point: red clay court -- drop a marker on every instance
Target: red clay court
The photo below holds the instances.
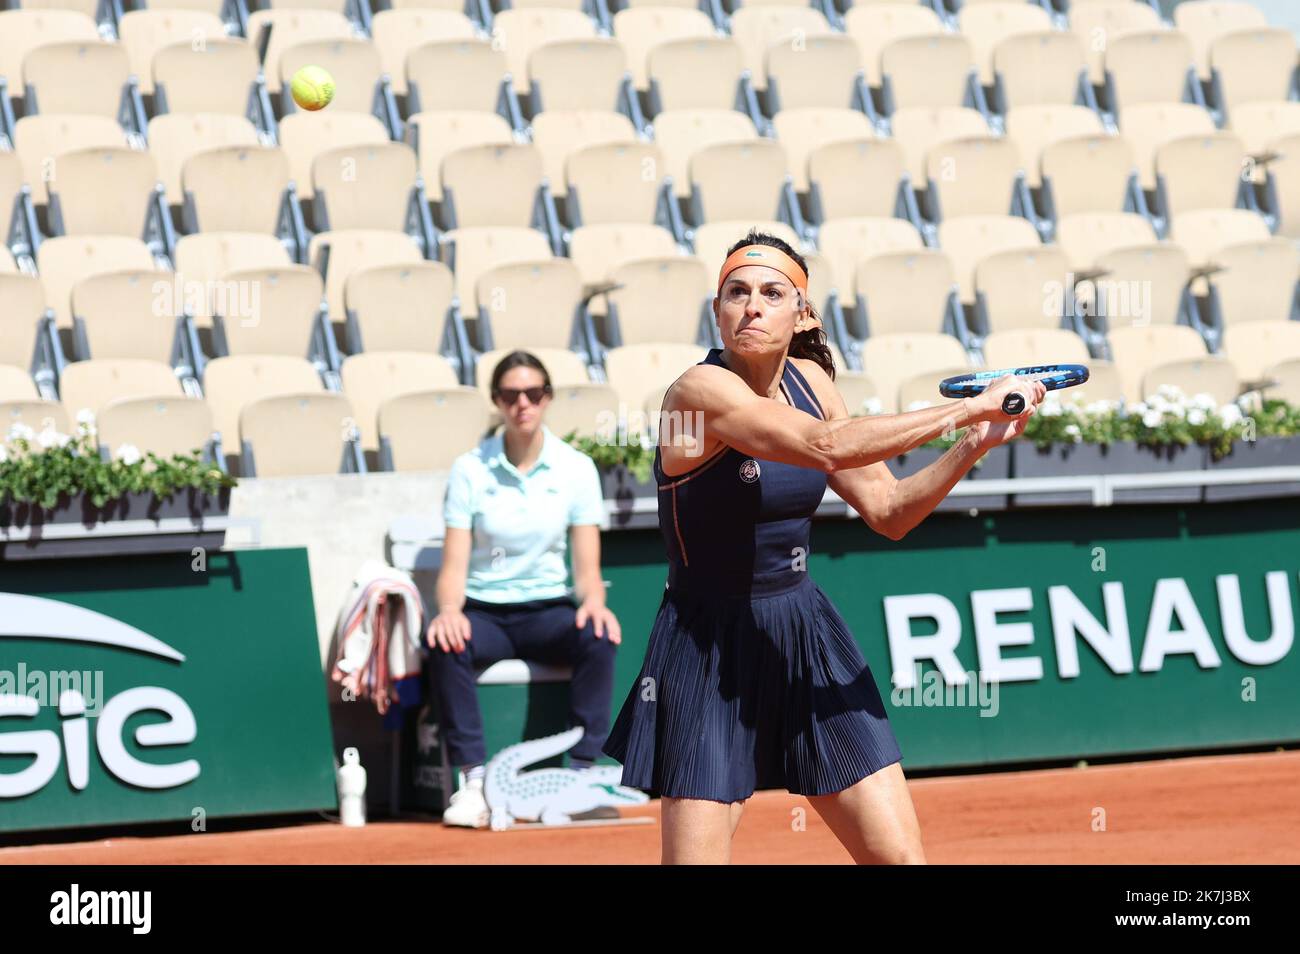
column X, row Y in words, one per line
column 1229, row 809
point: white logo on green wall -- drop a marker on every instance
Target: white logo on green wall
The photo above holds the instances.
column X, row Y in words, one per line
column 31, row 617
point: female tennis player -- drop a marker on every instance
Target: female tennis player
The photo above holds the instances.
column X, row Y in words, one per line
column 751, row 678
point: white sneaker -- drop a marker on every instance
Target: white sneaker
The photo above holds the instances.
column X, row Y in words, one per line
column 468, row 807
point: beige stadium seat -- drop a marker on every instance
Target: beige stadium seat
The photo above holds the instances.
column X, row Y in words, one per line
column 875, row 26
column 363, row 186
column 528, row 304
column 969, row 238
column 980, row 175
column 398, row 32
column 922, row 390
column 564, row 366
column 892, row 359
column 102, row 191
column 289, row 28
column 1033, row 128
column 455, row 74
column 1086, row 236
column 680, row 133
column 216, row 78
column 1203, row 232
column 561, row 134
column 40, row 140
column 295, row 435
column 845, row 242
column 804, row 130
column 16, row 384
column 1096, row 24
column 351, row 249
column 1252, row 66
column 585, row 74
column 12, row 179
column 232, row 382
column 587, row 410
column 36, row 414
column 694, row 73
column 7, row 263
column 234, row 189
column 203, row 259
column 989, row 24
column 1258, row 281
column 1201, row 172
column 1255, row 347
column 714, row 238
column 1143, row 284
column 738, row 180
column 1015, row 288
column 64, row 261
column 471, row 252
column 1154, row 66
column 24, row 30
column 1021, row 347
column 125, row 314
column 354, row 64
column 820, row 71
column 852, row 177
column 638, row 371
column 641, row 29
column 599, row 249
column 175, row 137
column 78, row 77
column 22, row 311
column 1284, row 381
column 90, row 385
column 857, row 390
column 613, row 182
column 372, row 378
column 1104, row 384
column 933, row 70
column 1039, row 68
column 437, row 134
column 281, row 319
column 1095, row 173
column 661, row 299
column 918, row 130
column 1213, row 375
column 144, row 32
column 491, row 185
column 164, row 425
column 459, row 416
column 398, row 307
column 1259, row 125
column 1284, row 184
column 1206, row 21
column 759, row 29
column 305, row 135
column 520, row 32
column 1137, row 349
column 904, row 292
column 821, row 278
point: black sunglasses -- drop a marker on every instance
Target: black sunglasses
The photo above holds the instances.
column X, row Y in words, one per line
column 511, row 395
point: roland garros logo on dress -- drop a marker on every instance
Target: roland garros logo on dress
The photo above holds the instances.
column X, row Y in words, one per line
column 749, row 471
column 31, row 617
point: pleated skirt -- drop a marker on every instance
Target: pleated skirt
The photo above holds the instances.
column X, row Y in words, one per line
column 757, row 691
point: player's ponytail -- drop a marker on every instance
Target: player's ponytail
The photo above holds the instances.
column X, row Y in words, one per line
column 809, row 344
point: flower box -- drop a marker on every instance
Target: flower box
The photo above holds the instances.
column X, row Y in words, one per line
column 995, row 465
column 618, row 483
column 189, row 503
column 1121, row 457
column 1264, row 452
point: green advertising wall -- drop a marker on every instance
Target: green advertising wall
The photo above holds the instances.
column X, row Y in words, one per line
column 1161, row 559
column 250, row 677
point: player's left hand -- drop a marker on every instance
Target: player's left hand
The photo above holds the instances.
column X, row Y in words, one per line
column 603, row 620
column 989, row 434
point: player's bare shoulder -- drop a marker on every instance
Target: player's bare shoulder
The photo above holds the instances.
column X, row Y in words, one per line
column 700, row 387
column 827, row 394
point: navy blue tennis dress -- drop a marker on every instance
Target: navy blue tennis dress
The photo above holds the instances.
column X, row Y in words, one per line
column 751, row 678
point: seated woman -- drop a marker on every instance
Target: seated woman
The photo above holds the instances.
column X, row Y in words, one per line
column 502, row 590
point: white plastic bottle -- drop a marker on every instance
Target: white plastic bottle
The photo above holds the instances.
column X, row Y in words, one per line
column 352, row 790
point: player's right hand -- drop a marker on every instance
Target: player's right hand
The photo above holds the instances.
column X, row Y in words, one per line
column 990, row 401
column 449, row 631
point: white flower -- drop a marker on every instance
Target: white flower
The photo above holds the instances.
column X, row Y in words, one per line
column 1100, row 408
column 1051, row 409
column 1171, row 393
column 1196, row 417
column 1205, row 402
column 1229, row 414
column 51, row 438
column 1152, row 418
column 1073, row 432
column 128, row 454
column 21, row 432
column 873, row 405
column 1176, row 410
column 86, row 420
column 4, row 454
column 918, row 405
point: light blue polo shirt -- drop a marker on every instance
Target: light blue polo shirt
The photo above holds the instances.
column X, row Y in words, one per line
column 520, row 522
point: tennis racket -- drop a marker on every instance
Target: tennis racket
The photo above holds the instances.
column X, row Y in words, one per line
column 1053, row 377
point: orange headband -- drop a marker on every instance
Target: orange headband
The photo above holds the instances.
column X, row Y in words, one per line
column 765, row 255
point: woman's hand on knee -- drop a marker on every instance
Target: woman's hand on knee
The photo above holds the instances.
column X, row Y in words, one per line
column 449, row 631
column 603, row 621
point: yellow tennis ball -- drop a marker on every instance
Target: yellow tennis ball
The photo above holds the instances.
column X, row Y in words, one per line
column 312, row 88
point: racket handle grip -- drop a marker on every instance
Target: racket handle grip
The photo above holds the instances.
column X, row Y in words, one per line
column 1013, row 404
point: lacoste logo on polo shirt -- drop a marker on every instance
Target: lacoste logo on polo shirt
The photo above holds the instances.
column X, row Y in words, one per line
column 749, row 471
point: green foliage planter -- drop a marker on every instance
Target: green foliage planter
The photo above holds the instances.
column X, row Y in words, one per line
column 190, row 503
column 625, row 467
column 1264, row 452
column 994, row 465
column 1121, row 457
